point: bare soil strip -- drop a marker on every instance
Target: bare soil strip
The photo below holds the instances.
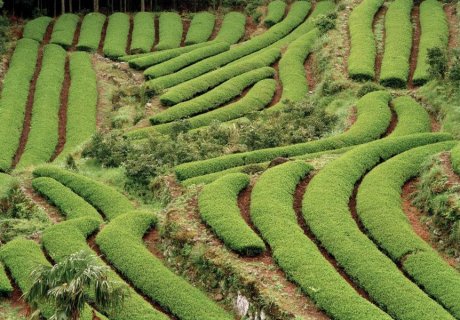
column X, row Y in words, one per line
column 217, row 27
column 393, row 122
column 156, row 25
column 186, row 26
column 30, row 99
column 16, row 299
column 380, row 46
column 310, row 71
column 76, row 36
column 452, row 19
column 100, row 49
column 130, row 34
column 53, row 213
column 415, row 44
column 279, row 86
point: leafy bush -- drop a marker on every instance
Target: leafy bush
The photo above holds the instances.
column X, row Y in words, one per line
column 36, row 29
column 219, row 209
column 398, row 44
column 201, row 28
column 148, row 274
column 435, row 34
column 276, row 10
column 379, row 208
column 361, row 61
column 454, row 69
column 91, row 31
column 213, row 98
column 82, row 103
column 143, row 33
column 171, row 30
column 64, row 30
column 412, row 117
column 45, row 111
column 15, row 94
column 116, row 38
column 327, row 213
column 368, row 87
column 437, row 63
column 298, row 256
column 233, row 28
column 185, row 59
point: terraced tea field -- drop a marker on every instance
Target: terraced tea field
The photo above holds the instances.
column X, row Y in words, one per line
column 187, row 152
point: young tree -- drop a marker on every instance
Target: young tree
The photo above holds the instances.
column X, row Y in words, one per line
column 437, row 61
column 69, row 284
column 454, row 70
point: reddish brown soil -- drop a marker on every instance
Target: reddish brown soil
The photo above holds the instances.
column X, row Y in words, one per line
column 393, row 122
column 414, row 215
column 186, row 26
column 451, row 14
column 100, row 49
column 53, row 212
column 379, row 56
column 351, row 118
column 279, row 87
column 453, row 178
column 151, row 238
column 435, row 124
column 62, row 128
column 415, row 44
column 16, row 299
column 352, row 206
column 157, row 31
column 217, row 27
column 251, row 27
column 310, row 71
column 30, row 99
column 130, row 34
column 298, row 197
column 76, row 36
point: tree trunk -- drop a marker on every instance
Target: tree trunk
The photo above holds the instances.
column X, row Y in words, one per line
column 79, row 5
column 70, row 6
column 55, row 7
column 96, row 5
column 151, row 5
column 62, row 6
column 142, row 5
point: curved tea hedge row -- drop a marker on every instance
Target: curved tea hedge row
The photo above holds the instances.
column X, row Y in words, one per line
column 361, row 61
column 218, row 205
column 45, row 111
column 68, row 202
column 91, row 31
column 412, row 117
column 201, row 28
column 273, row 214
column 36, row 29
column 256, row 99
column 116, row 38
column 213, row 98
column 297, row 14
column 379, row 208
column 14, row 98
column 104, row 198
column 435, row 34
column 5, row 286
column 171, row 30
column 185, row 59
column 68, row 237
column 292, row 70
column 276, row 10
column 398, row 44
column 21, row 257
column 81, row 104
column 326, row 211
column 374, row 116
column 233, row 28
column 143, row 33
column 7, row 183
column 64, row 30
column 148, row 273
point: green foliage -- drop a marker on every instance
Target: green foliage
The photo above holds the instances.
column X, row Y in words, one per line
column 66, row 238
column 201, row 28
column 82, row 103
column 36, row 29
column 7, row 183
column 379, row 208
column 69, row 203
column 171, row 30
column 361, row 61
column 213, row 98
column 435, row 34
column 233, row 28
column 91, row 31
column 148, row 274
column 325, row 23
column 5, row 286
column 45, row 111
column 398, row 44
column 189, row 89
column 298, row 256
column 437, row 63
column 327, row 213
column 116, row 39
column 276, row 10
column 104, row 198
column 454, row 69
column 373, row 119
column 14, row 98
column 368, row 87
column 143, row 33
column 64, row 30
column 185, row 59
column 412, row 117
column 296, row 16
column 219, row 209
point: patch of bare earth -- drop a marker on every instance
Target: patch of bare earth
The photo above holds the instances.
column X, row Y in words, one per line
column 186, row 26
column 100, row 49
column 393, row 122
column 351, row 118
column 378, row 18
column 279, row 88
column 451, row 14
column 53, row 213
column 16, row 300
column 415, row 44
column 309, row 66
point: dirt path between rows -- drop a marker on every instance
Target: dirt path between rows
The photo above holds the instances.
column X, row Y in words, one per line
column 217, row 27
column 16, row 299
column 309, row 66
column 30, row 99
column 452, row 19
column 52, row 212
column 379, row 43
column 156, row 25
column 279, row 87
column 130, row 35
column 416, row 31
column 186, row 26
column 100, row 49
